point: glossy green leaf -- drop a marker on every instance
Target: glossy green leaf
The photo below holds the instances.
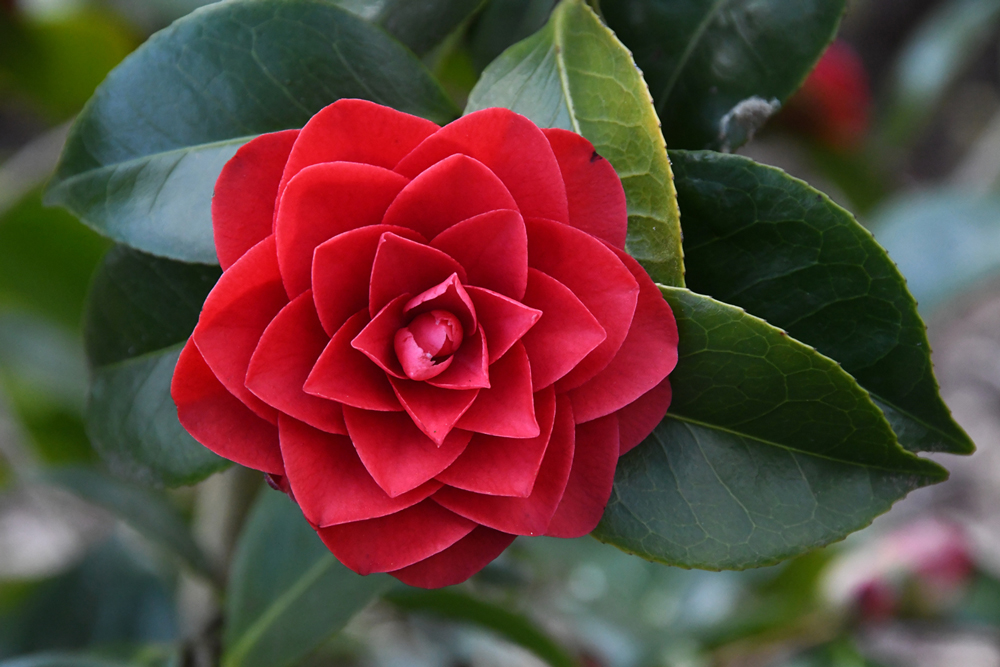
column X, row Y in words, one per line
column 456, row 606
column 148, row 513
column 767, row 242
column 140, row 312
column 574, row 74
column 769, row 450
column 503, row 23
column 419, row 25
column 287, row 593
column 714, row 67
column 142, row 159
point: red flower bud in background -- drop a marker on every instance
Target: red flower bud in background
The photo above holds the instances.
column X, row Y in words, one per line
column 431, row 338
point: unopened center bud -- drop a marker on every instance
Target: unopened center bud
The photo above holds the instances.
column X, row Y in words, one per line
column 429, row 339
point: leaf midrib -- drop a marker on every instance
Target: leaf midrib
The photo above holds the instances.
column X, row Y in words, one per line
column 688, row 51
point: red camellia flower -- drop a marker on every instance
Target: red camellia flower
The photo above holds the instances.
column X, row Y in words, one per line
column 430, row 337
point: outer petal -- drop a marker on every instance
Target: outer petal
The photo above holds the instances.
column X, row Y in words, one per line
column 347, row 376
column 396, row 454
column 507, row 408
column 329, row 481
column 356, row 131
column 234, row 317
column 596, row 198
column 523, row 516
column 325, row 200
column 342, row 270
column 493, row 249
column 285, row 356
column 219, row 420
column 601, row 281
column 590, row 480
column 458, row 562
column 433, row 410
column 638, row 419
column 647, row 356
column 504, row 320
column 512, row 147
column 403, row 266
column 396, row 540
column 456, row 188
column 246, row 195
column 504, row 466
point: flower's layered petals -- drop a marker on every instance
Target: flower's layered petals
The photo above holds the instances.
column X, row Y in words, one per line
column 647, row 355
column 456, row 188
column 285, row 356
column 590, row 480
column 342, row 269
column 493, row 249
column 329, row 481
column 377, row 340
column 565, row 333
column 397, row 455
column 469, row 368
column 638, row 419
column 435, row 411
column 325, row 200
column 504, row 320
column 503, row 466
column 403, row 266
column 347, row 376
column 595, row 193
column 356, row 131
column 394, row 541
column 507, row 408
column 246, row 193
column 531, row 515
column 220, row 421
column 235, row 315
column 458, row 562
column 449, row 296
column 512, row 147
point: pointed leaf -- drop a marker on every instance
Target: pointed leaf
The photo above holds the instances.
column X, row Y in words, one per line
column 419, row 25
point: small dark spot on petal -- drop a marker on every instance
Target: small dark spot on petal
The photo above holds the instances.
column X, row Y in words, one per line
column 595, row 157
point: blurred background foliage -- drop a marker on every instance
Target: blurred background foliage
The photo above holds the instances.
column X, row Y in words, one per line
column 900, row 122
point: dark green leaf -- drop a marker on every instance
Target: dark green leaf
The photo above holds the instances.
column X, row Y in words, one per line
column 503, row 23
column 148, row 513
column 769, row 450
column 419, row 25
column 142, row 159
column 457, row 606
column 715, row 67
column 287, row 593
column 767, row 242
column 61, row 660
column 140, row 312
column 575, row 75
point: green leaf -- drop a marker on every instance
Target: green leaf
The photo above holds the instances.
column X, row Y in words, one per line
column 457, row 606
column 716, row 67
column 148, row 513
column 61, row 660
column 574, row 74
column 142, row 159
column 140, row 312
column 419, row 25
column 769, row 450
column 287, row 593
column 760, row 239
column 503, row 23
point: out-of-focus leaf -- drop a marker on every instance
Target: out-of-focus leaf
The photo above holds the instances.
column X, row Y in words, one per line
column 287, row 593
column 575, row 75
column 769, row 450
column 457, row 606
column 943, row 242
column 840, row 653
column 503, row 23
column 62, row 660
column 760, row 239
column 140, row 312
column 419, row 25
column 142, row 159
column 947, row 41
column 718, row 69
column 148, row 513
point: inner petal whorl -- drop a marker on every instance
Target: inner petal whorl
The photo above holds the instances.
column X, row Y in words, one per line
column 425, row 346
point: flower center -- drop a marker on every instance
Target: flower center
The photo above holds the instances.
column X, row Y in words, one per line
column 424, row 347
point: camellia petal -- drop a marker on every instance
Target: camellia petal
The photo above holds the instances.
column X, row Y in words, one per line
column 403, row 266
column 394, row 541
column 504, row 320
column 507, row 408
column 469, row 368
column 219, row 420
column 243, row 203
column 512, row 147
column 493, row 249
column 595, row 194
column 397, row 455
column 325, row 200
column 450, row 296
column 377, row 340
column 329, row 481
column 458, row 562
column 433, row 410
column 285, row 356
column 638, row 419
